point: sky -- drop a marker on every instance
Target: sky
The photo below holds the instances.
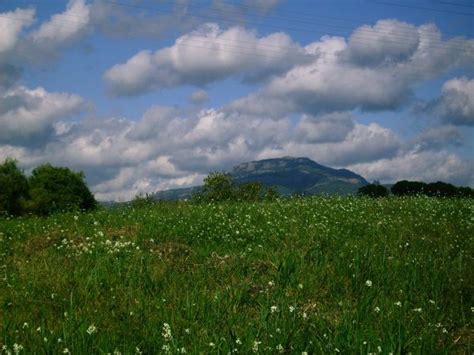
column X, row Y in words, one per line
column 146, row 95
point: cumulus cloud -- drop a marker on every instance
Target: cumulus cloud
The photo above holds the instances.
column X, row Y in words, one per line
column 456, row 103
column 387, row 42
column 377, row 69
column 11, row 25
column 438, row 138
column 26, row 114
column 203, row 56
column 426, row 166
column 169, row 147
column 333, row 127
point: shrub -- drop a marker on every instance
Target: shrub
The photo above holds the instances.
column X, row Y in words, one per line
column 13, row 188
column 373, row 190
column 54, row 189
column 408, row 188
column 441, row 189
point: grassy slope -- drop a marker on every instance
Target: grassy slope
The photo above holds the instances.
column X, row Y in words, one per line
column 213, row 273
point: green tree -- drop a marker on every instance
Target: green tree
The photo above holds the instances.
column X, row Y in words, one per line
column 54, row 189
column 441, row 189
column 250, row 191
column 373, row 190
column 143, row 200
column 408, row 188
column 13, row 188
column 217, row 187
column 271, row 194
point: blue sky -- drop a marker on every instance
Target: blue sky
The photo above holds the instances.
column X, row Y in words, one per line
column 145, row 95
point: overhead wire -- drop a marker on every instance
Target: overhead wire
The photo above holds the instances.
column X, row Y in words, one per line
column 368, row 34
column 232, row 43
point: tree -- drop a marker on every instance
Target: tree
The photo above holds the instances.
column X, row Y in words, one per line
column 465, row 191
column 441, row 189
column 373, row 190
column 217, row 187
column 13, row 188
column 250, row 191
column 54, row 189
column 408, row 188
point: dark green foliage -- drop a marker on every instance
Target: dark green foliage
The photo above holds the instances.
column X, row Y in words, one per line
column 373, row 190
column 434, row 189
column 250, row 191
column 408, row 188
column 143, row 200
column 271, row 194
column 54, row 189
column 441, row 189
column 220, row 187
column 465, row 192
column 13, row 188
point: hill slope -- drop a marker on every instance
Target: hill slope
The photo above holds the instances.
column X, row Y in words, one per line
column 289, row 176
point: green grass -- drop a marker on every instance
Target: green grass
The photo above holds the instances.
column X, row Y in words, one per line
column 317, row 275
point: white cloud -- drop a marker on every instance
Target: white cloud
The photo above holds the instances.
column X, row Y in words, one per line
column 370, row 73
column 436, row 138
column 387, row 42
column 333, row 127
column 456, row 104
column 428, row 166
column 26, row 114
column 64, row 27
column 203, row 56
column 11, row 25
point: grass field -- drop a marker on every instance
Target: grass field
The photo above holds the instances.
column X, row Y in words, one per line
column 316, row 275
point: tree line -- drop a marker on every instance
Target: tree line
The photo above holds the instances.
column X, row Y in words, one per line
column 47, row 190
column 417, row 188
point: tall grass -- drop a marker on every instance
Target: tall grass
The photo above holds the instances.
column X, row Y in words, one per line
column 315, row 275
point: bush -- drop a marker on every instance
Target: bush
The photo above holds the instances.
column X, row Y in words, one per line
column 441, row 189
column 220, row 187
column 373, row 190
column 465, row 192
column 217, row 187
column 408, row 188
column 143, row 201
column 13, row 188
column 54, row 189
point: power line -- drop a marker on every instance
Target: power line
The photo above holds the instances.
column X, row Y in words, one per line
column 368, row 38
column 368, row 35
column 417, row 7
column 456, row 4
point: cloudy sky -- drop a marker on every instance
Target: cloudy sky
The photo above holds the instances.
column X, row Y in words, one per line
column 144, row 95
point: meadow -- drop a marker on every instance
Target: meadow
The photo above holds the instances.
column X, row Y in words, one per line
column 321, row 275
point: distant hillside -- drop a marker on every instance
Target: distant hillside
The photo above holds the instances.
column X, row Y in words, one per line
column 288, row 175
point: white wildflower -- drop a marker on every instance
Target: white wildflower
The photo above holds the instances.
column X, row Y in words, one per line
column 166, row 333
column 273, row 309
column 92, row 329
column 17, row 348
column 368, row 283
column 256, row 343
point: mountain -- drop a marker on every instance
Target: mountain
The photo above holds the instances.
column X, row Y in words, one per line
column 288, row 175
